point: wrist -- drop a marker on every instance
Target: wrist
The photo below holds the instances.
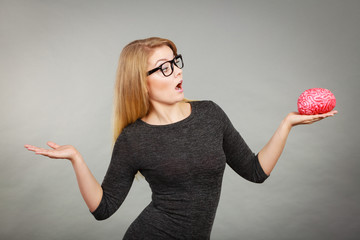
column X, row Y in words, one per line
column 287, row 123
column 76, row 158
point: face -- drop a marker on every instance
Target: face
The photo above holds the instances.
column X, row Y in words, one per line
column 164, row 90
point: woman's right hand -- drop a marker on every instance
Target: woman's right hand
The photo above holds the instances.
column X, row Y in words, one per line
column 57, row 151
column 90, row 189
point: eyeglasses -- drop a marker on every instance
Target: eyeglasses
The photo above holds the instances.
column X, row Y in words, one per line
column 167, row 68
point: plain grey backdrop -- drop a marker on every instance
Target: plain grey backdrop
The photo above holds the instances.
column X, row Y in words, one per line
column 253, row 58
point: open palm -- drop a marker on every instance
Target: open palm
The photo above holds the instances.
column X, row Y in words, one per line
column 56, row 151
column 295, row 118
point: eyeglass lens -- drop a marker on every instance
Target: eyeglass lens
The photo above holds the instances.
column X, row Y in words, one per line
column 167, row 68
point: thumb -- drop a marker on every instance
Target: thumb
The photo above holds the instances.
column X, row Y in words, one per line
column 52, row 145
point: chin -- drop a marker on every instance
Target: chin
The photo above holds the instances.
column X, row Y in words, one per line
column 181, row 98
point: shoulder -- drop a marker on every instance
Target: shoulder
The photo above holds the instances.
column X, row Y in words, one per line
column 208, row 107
column 130, row 131
column 128, row 135
column 205, row 105
column 126, row 142
column 208, row 112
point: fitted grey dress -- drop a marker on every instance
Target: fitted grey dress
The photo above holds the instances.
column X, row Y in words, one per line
column 184, row 164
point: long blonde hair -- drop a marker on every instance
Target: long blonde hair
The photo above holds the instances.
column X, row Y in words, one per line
column 131, row 99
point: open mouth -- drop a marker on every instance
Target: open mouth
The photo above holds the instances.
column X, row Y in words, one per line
column 179, row 86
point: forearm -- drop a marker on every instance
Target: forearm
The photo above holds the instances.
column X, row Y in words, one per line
column 90, row 189
column 269, row 155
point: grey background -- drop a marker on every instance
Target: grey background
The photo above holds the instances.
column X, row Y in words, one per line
column 254, row 58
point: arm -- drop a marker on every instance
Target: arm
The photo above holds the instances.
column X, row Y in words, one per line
column 238, row 154
column 269, row 155
column 90, row 189
column 103, row 200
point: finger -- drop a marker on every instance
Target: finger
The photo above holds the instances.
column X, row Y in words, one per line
column 44, row 154
column 28, row 146
column 325, row 115
column 31, row 148
column 312, row 119
column 47, row 153
column 36, row 149
column 316, row 119
column 41, row 151
column 329, row 114
column 332, row 113
column 52, row 145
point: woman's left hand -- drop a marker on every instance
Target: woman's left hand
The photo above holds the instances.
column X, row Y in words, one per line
column 295, row 118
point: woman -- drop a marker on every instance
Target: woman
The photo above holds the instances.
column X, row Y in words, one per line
column 181, row 147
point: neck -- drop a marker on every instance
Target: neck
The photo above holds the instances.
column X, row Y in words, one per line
column 162, row 114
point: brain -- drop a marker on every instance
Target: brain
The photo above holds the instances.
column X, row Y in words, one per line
column 316, row 101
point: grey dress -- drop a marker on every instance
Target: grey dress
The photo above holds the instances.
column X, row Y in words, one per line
column 184, row 164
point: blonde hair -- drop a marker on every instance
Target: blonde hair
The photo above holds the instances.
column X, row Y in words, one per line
column 131, row 99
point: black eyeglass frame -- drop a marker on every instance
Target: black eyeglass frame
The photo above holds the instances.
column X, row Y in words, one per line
column 172, row 63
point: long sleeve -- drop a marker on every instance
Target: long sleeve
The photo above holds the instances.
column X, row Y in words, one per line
column 238, row 154
column 118, row 179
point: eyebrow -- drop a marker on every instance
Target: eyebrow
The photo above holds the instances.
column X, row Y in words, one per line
column 164, row 59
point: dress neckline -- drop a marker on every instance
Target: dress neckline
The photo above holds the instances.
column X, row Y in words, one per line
column 182, row 121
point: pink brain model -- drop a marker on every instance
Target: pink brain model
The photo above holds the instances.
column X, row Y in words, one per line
column 316, row 101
